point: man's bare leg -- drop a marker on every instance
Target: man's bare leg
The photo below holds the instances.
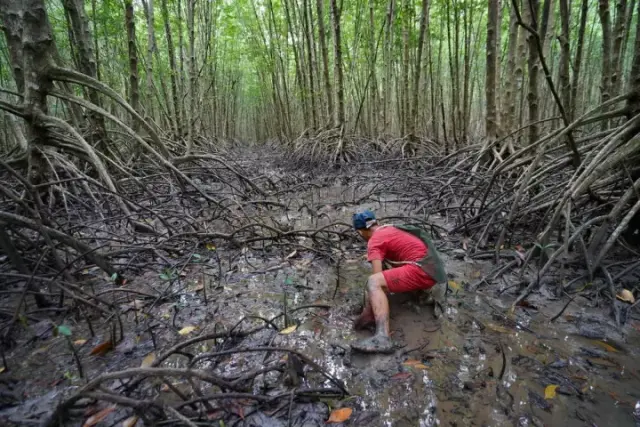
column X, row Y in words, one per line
column 380, row 342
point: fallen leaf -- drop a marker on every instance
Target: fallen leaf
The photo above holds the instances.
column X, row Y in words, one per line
column 411, row 362
column 148, row 360
column 401, row 376
column 609, row 348
column 79, row 342
column 237, row 409
column 187, row 330
column 292, row 254
column 550, row 391
column 2, row 369
column 476, row 274
column 497, row 328
column 102, row 348
column 211, row 246
column 526, row 304
column 288, row 330
column 64, row 330
column 602, row 362
column 99, row 416
column 339, row 415
column 130, row 422
column 453, row 285
column 216, row 415
column 420, row 366
column 626, row 296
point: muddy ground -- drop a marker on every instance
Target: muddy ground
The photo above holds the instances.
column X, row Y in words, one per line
column 478, row 365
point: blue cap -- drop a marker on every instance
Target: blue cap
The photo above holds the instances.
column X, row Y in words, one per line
column 363, row 219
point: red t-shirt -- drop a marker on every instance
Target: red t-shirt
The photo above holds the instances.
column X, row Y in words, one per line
column 392, row 244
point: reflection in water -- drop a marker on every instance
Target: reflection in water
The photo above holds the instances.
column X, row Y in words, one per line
column 429, row 417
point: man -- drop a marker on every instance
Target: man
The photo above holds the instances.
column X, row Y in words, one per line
column 404, row 251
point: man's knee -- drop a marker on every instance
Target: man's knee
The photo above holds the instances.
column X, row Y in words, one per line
column 375, row 282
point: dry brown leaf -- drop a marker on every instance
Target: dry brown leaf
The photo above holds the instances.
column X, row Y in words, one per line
column 102, row 348
column 497, row 328
column 130, row 422
column 602, row 362
column 609, row 348
column 98, row 416
column 340, row 415
column 148, row 360
column 187, row 330
column 626, row 296
column 288, row 330
column 411, row 362
column 401, row 376
column 550, row 391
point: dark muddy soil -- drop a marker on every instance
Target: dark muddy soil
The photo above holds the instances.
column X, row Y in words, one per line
column 478, row 365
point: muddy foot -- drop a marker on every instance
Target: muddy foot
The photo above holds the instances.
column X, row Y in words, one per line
column 375, row 344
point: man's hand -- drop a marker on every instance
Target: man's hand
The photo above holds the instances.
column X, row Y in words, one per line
column 377, row 266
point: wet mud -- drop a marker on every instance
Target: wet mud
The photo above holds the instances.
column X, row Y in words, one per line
column 478, row 365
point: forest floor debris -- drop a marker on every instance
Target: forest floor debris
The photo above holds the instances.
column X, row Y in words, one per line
column 247, row 319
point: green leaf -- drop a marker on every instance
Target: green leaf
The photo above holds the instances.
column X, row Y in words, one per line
column 164, row 276
column 288, row 281
column 114, row 277
column 64, row 330
column 197, row 256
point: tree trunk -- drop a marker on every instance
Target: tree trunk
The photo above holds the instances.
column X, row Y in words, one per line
column 191, row 114
column 86, row 64
column 13, row 33
column 616, row 57
column 627, row 32
column 633, row 103
column 151, row 48
column 418, row 66
column 373, row 101
column 308, row 35
column 325, row 60
column 563, row 71
column 509, row 108
column 388, row 65
column 533, row 67
column 491, row 127
column 577, row 64
column 172, row 65
column 335, row 14
column 31, row 42
column 404, row 91
column 605, row 82
column 134, row 92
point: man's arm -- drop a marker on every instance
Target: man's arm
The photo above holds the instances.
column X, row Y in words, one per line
column 377, row 266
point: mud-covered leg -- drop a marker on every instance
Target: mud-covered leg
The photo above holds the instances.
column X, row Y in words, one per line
column 380, row 342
